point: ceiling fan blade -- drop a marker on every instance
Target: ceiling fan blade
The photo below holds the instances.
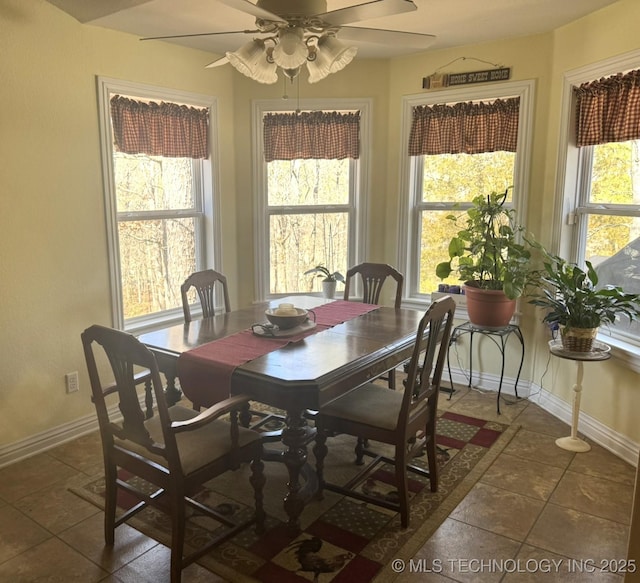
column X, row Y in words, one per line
column 251, row 8
column 202, row 34
column 89, row 10
column 217, row 63
column 385, row 37
column 367, row 11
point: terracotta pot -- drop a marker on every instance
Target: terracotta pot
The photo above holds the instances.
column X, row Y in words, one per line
column 488, row 308
column 577, row 339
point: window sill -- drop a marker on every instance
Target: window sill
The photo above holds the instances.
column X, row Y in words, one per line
column 422, row 303
column 628, row 354
column 144, row 324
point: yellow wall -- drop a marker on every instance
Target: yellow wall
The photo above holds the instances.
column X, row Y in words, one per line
column 53, row 253
column 610, row 392
column 54, row 276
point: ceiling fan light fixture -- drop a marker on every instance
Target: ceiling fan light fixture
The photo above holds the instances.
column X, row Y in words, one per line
column 291, row 74
column 295, row 33
column 291, row 51
column 319, row 67
column 337, row 53
column 266, row 73
column 251, row 60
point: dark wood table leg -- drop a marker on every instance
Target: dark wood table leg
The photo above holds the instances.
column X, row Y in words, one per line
column 295, row 437
column 172, row 393
column 167, row 366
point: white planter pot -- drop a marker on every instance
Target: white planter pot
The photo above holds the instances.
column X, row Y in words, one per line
column 329, row 289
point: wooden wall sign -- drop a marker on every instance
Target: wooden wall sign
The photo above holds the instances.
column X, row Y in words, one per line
column 438, row 80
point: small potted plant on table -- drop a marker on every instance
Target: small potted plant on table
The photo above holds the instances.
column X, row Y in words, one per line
column 329, row 280
column 490, row 259
column 576, row 304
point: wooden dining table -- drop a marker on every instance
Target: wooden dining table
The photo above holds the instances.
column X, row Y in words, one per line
column 302, row 375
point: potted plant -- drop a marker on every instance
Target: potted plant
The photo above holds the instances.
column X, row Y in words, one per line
column 329, row 279
column 489, row 257
column 576, row 304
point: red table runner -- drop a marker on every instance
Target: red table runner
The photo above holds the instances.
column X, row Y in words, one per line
column 205, row 372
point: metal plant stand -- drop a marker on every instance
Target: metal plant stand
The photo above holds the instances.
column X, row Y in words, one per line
column 499, row 336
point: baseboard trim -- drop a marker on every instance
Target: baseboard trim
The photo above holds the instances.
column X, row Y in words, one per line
column 41, row 442
column 487, row 382
column 615, row 442
column 595, row 430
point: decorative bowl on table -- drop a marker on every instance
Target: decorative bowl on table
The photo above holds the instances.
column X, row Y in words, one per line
column 286, row 317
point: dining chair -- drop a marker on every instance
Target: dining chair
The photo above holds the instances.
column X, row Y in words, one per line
column 174, row 449
column 204, row 282
column 373, row 277
column 403, row 419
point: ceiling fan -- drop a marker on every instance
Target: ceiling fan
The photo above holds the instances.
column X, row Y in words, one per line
column 292, row 33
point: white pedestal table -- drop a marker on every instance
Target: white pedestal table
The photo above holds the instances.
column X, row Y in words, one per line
column 600, row 351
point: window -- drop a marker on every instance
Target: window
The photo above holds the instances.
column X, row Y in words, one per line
column 310, row 208
column 607, row 219
column 601, row 192
column 445, row 184
column 158, row 206
column 437, row 185
column 159, row 216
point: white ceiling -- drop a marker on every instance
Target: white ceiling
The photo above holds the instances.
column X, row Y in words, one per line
column 454, row 22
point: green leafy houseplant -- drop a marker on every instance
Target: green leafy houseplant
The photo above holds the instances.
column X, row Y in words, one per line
column 323, row 272
column 571, row 296
column 486, row 253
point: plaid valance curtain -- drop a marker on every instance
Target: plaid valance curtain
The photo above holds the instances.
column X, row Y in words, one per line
column 465, row 128
column 608, row 110
column 327, row 135
column 160, row 129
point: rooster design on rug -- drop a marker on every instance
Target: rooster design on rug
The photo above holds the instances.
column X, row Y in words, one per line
column 306, row 551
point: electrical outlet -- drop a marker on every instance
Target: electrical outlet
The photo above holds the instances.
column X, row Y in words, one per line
column 71, row 379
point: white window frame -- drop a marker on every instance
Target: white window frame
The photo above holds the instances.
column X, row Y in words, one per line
column 572, row 162
column 208, row 243
column 410, row 171
column 358, row 183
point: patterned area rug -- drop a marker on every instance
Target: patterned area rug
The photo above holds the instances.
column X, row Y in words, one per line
column 342, row 539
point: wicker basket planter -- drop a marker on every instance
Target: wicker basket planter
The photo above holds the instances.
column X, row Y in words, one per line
column 573, row 299
column 578, row 339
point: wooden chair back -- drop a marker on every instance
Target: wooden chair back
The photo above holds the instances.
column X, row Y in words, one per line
column 132, row 364
column 204, row 282
column 424, row 372
column 373, row 276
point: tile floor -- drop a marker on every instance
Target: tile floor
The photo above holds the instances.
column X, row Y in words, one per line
column 541, row 513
